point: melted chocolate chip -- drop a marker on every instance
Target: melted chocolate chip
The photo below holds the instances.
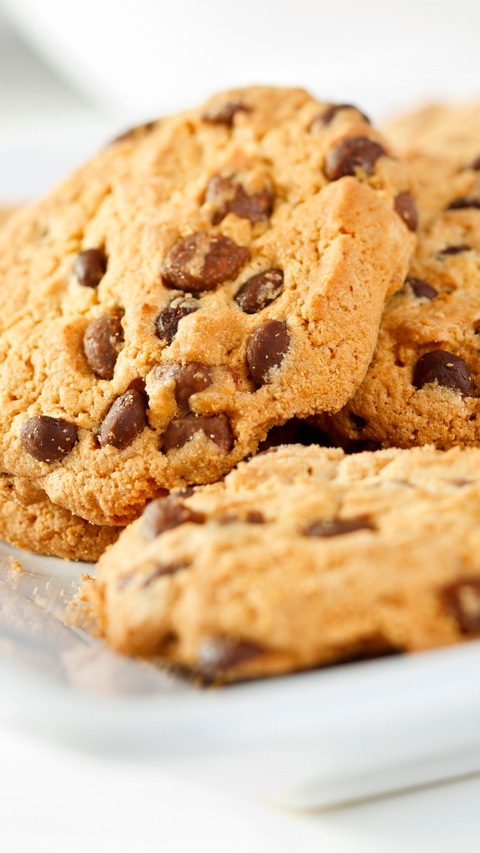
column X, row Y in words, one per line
column 421, row 289
column 231, row 197
column 351, row 154
column 168, row 320
column 326, row 527
column 331, row 111
column 216, row 654
column 462, row 600
column 464, row 203
column 163, row 569
column 454, row 250
column 406, row 207
column 444, row 368
column 90, row 267
column 189, row 379
column 266, row 349
column 48, row 439
column 225, row 113
column 202, row 261
column 166, row 513
column 216, row 427
column 125, row 419
column 259, row 291
column 101, row 344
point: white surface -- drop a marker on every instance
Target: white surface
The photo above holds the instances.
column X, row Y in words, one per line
column 107, row 794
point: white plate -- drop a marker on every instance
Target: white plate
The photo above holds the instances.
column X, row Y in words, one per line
column 314, row 739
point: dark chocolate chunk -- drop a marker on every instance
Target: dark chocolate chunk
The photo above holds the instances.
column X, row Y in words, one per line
column 231, row 197
column 462, row 600
column 464, row 203
column 166, row 513
column 225, row 113
column 48, row 439
column 266, row 349
column 202, row 261
column 101, row 344
column 216, row 427
column 454, row 250
column 125, row 419
column 167, row 321
column 326, row 527
column 331, row 111
column 191, row 378
column 351, row 154
column 90, row 267
column 406, row 207
column 217, row 654
column 259, row 291
column 444, row 368
column 422, row 289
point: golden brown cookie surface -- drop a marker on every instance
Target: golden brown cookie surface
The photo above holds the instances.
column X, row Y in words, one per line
column 204, row 278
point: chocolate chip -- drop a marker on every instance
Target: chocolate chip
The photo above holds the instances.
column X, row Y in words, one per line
column 216, row 427
column 464, row 203
column 163, row 569
column 225, row 113
column 90, row 267
column 231, row 197
column 406, row 207
column 216, row 654
column 331, row 111
column 454, row 250
column 326, row 527
column 101, row 344
column 166, row 513
column 202, row 261
column 259, row 291
column 444, row 368
column 266, row 349
column 168, row 320
column 124, row 420
column 462, row 600
column 191, row 378
column 48, row 439
column 421, row 289
column 351, row 154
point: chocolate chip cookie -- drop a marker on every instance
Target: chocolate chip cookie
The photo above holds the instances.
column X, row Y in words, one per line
column 205, row 277
column 423, row 385
column 302, row 556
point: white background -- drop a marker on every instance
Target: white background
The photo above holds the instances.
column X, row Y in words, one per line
column 71, row 75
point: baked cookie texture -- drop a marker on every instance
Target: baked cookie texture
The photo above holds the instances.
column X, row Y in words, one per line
column 203, row 278
column 301, row 557
column 423, row 385
column 30, row 521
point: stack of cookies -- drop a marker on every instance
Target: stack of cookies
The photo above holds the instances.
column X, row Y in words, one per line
column 266, row 268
